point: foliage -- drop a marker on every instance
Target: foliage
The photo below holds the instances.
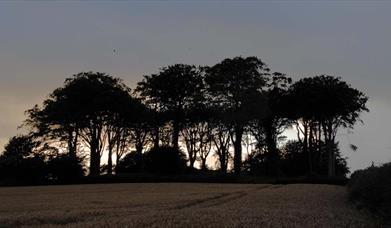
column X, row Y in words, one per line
column 31, row 170
column 173, row 91
column 65, row 169
column 205, row 110
column 19, row 147
column 132, row 162
column 292, row 162
column 320, row 105
column 165, row 160
column 233, row 85
column 20, row 164
column 91, row 108
column 371, row 188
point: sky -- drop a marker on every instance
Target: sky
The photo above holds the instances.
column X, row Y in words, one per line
column 42, row 43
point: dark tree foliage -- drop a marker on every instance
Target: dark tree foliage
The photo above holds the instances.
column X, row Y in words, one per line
column 20, row 164
column 294, row 160
column 65, row 169
column 172, row 91
column 19, row 147
column 94, row 99
column 132, row 162
column 270, row 121
column 167, row 160
column 321, row 105
column 370, row 188
column 231, row 83
column 207, row 111
column 90, row 108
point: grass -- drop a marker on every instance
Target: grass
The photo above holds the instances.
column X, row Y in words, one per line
column 180, row 205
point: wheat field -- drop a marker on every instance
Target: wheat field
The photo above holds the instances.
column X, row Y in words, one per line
column 180, row 205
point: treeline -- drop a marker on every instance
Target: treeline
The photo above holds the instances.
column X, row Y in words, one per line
column 370, row 188
column 192, row 113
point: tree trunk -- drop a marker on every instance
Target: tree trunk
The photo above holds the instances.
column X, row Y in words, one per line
column 238, row 149
column 139, row 143
column 156, row 138
column 203, row 164
column 94, row 160
column 175, row 134
column 319, row 152
column 305, row 144
column 94, row 153
column 270, row 142
column 111, row 138
column 192, row 161
column 329, row 149
column 223, row 162
column 223, row 156
column 331, row 170
column 310, row 149
column 273, row 156
column 110, row 161
column 116, row 163
column 221, row 145
column 72, row 143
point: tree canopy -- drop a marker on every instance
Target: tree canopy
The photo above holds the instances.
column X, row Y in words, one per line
column 217, row 112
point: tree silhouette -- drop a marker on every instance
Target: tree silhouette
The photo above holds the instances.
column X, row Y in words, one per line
column 171, row 92
column 323, row 104
column 87, row 108
column 230, row 83
column 294, row 159
column 207, row 109
column 21, row 161
column 273, row 122
column 221, row 141
column 54, row 125
column 166, row 160
column 19, row 147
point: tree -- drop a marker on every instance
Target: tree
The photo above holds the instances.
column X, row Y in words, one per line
column 21, row 162
column 127, row 125
column 191, row 139
column 323, row 104
column 58, row 128
column 221, row 141
column 130, row 163
column 171, row 92
column 19, row 147
column 294, row 161
column 205, row 145
column 65, row 169
column 134, row 130
column 275, row 122
column 84, row 110
column 167, row 160
column 268, row 122
column 230, row 84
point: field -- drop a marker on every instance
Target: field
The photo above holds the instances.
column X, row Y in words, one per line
column 180, row 205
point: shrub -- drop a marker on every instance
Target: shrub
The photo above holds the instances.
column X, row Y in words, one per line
column 132, row 162
column 261, row 164
column 165, row 160
column 65, row 169
column 29, row 170
column 371, row 187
